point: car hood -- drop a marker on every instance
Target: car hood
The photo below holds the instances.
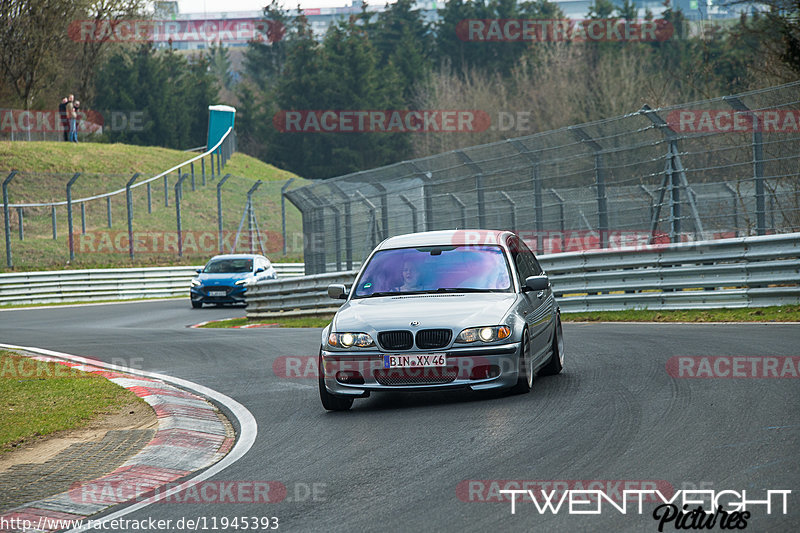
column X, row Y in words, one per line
column 455, row 311
column 222, row 279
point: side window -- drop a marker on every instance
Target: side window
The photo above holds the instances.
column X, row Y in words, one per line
column 536, row 269
column 521, row 263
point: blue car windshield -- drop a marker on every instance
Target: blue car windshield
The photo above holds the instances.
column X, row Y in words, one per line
column 229, row 266
column 435, row 269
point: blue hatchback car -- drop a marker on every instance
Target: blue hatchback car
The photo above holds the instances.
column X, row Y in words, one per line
column 224, row 277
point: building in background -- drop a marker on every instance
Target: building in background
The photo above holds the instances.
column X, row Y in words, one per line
column 233, row 29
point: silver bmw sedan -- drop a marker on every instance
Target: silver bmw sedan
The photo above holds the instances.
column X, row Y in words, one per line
column 441, row 310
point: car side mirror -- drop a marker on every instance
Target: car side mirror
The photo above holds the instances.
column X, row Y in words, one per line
column 337, row 291
column 537, row 283
column 260, row 269
column 199, row 270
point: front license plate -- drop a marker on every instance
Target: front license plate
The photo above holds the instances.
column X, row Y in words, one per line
column 414, row 360
column 217, row 293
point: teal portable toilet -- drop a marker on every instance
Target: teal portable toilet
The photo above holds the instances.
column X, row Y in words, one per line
column 220, row 118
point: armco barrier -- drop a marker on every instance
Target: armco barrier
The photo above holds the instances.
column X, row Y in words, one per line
column 742, row 272
column 106, row 284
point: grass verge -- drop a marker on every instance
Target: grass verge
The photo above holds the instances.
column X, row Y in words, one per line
column 45, row 169
column 41, row 398
column 780, row 313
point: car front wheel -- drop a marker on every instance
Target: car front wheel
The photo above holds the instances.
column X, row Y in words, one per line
column 556, row 363
column 329, row 401
column 525, row 378
column 197, row 304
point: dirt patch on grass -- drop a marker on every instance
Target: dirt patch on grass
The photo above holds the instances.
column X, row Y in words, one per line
column 134, row 415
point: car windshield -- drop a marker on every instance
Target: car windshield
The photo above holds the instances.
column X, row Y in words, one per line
column 229, row 266
column 435, row 269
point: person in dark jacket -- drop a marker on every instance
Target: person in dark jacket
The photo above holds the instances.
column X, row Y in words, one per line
column 62, row 115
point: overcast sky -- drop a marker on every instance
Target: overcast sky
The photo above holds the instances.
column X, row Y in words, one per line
column 200, row 6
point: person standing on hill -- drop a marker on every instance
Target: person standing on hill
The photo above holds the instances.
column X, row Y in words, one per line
column 77, row 109
column 62, row 115
column 72, row 116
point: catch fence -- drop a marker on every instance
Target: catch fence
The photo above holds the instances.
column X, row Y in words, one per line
column 719, row 168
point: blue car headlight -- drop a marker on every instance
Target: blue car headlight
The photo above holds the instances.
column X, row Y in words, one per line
column 196, row 283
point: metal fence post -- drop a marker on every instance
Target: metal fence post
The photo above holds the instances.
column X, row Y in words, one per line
column 348, row 229
column 337, row 235
column 108, row 210
column 166, row 192
column 219, row 209
column 674, row 179
column 203, row 169
column 53, row 219
column 69, row 215
column 219, row 167
column 7, row 222
column 372, row 208
column 462, row 208
column 384, row 210
column 413, row 209
column 178, row 196
column 758, row 162
column 513, row 205
column 734, row 198
column 20, row 219
column 83, row 218
column 427, row 194
column 191, row 166
column 599, row 177
column 478, row 187
column 283, row 211
column 652, row 199
column 129, row 210
column 562, row 222
column 212, row 166
column 250, row 212
column 537, row 190
column 149, row 198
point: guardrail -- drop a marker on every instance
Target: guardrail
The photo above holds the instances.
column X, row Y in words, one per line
column 223, row 150
column 106, row 284
column 742, row 272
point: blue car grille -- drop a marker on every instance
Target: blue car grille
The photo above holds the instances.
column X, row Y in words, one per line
column 214, row 288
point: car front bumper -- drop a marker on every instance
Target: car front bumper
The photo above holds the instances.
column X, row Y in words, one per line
column 233, row 296
column 475, row 368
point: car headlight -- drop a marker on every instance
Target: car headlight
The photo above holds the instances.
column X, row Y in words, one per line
column 348, row 340
column 484, row 334
column 196, row 283
column 241, row 282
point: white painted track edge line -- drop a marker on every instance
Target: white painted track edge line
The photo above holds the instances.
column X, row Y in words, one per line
column 248, row 428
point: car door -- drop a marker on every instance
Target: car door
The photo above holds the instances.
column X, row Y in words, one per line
column 538, row 316
column 547, row 303
column 522, row 268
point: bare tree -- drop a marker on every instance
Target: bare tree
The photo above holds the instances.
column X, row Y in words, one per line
column 31, row 35
column 105, row 15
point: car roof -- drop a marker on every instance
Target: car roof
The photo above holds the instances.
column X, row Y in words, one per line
column 446, row 238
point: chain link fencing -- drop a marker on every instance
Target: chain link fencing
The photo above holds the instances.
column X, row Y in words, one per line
column 719, row 168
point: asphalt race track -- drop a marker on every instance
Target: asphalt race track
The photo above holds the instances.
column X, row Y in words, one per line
column 403, row 462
